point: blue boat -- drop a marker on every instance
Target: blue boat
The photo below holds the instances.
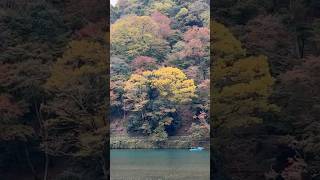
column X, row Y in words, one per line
column 196, row 149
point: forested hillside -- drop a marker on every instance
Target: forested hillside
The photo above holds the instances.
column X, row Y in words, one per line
column 266, row 125
column 160, row 69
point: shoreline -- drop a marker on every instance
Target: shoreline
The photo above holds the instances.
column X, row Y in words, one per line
column 175, row 142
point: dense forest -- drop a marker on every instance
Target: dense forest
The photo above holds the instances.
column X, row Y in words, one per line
column 160, row 69
column 246, row 72
column 265, row 89
column 53, row 89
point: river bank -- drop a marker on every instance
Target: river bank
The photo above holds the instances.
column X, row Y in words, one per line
column 174, row 142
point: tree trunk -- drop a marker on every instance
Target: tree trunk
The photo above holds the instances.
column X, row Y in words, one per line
column 45, row 141
column 34, row 173
column 105, row 168
column 46, row 166
column 105, row 165
column 302, row 47
column 93, row 124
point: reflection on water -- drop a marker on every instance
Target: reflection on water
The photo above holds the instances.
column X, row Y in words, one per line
column 160, row 164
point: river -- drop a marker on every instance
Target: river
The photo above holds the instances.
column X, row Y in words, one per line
column 159, row 164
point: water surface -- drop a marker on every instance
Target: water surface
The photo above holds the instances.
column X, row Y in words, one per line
column 159, row 164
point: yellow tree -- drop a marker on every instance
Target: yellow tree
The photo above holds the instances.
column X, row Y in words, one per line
column 173, row 84
column 152, row 96
column 134, row 36
column 81, row 59
column 241, row 85
column 78, row 85
column 163, row 6
column 136, row 89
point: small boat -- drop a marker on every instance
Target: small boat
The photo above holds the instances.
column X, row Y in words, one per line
column 196, row 149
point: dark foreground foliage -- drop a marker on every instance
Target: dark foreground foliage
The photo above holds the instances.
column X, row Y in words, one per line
column 53, row 92
column 285, row 144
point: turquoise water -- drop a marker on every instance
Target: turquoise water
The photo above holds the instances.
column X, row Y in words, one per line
column 159, row 164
